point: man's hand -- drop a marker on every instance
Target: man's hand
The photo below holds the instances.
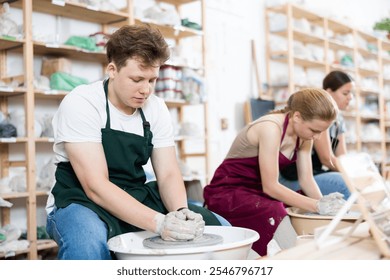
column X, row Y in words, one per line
column 173, row 228
column 188, row 215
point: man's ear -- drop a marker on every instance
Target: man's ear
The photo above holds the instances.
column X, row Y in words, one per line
column 111, row 70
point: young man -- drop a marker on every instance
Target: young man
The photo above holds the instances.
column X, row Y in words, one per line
column 104, row 133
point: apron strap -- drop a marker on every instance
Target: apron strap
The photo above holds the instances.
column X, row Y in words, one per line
column 145, row 124
column 108, row 122
column 285, row 124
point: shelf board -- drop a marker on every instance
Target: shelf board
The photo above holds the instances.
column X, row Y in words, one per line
column 193, row 155
column 297, row 12
column 19, row 252
column 371, row 141
column 386, row 45
column 386, row 59
column 41, row 48
column 177, row 2
column 9, row 44
column 370, row 117
column 44, row 140
column 71, row 52
column 41, row 193
column 349, row 114
column 16, row 163
column 368, row 53
column 9, row 91
column 13, row 140
column 308, row 38
column 339, row 27
column 333, row 44
column 14, row 195
column 308, row 63
column 275, row 55
column 171, row 31
column 50, row 94
column 181, row 65
column 367, row 91
column 188, row 137
column 176, row 103
column 192, row 177
column 281, row 85
column 8, row 1
column 342, row 68
column 42, row 244
column 367, row 36
column 75, row 11
column 297, row 60
column 368, row 72
column 301, row 36
column 44, row 94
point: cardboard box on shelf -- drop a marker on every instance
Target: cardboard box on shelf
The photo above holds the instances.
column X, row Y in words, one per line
column 14, row 81
column 52, row 65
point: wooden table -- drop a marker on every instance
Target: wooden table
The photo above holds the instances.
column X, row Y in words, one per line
column 359, row 246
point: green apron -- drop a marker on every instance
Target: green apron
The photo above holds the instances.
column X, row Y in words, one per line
column 125, row 154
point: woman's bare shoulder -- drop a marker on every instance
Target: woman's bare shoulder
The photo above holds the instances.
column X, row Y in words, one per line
column 270, row 120
column 268, row 125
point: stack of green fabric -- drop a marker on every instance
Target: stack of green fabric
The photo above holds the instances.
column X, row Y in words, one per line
column 185, row 22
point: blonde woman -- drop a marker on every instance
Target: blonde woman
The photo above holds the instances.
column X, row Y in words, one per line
column 245, row 188
column 330, row 145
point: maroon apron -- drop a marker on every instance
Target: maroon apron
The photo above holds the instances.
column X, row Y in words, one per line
column 236, row 193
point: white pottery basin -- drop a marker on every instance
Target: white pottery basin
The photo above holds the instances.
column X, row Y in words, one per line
column 236, row 245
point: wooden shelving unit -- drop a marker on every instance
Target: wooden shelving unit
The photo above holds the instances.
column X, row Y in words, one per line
column 366, row 53
column 28, row 49
column 75, row 10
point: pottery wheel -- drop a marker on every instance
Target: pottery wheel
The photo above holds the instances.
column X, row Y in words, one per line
column 206, row 239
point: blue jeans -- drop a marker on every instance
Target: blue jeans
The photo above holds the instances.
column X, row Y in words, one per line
column 81, row 234
column 328, row 182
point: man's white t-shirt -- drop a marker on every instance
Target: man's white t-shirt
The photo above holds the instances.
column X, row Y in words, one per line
column 82, row 114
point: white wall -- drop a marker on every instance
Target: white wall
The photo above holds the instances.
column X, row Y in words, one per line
column 230, row 26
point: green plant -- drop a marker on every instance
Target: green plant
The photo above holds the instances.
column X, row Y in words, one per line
column 384, row 24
